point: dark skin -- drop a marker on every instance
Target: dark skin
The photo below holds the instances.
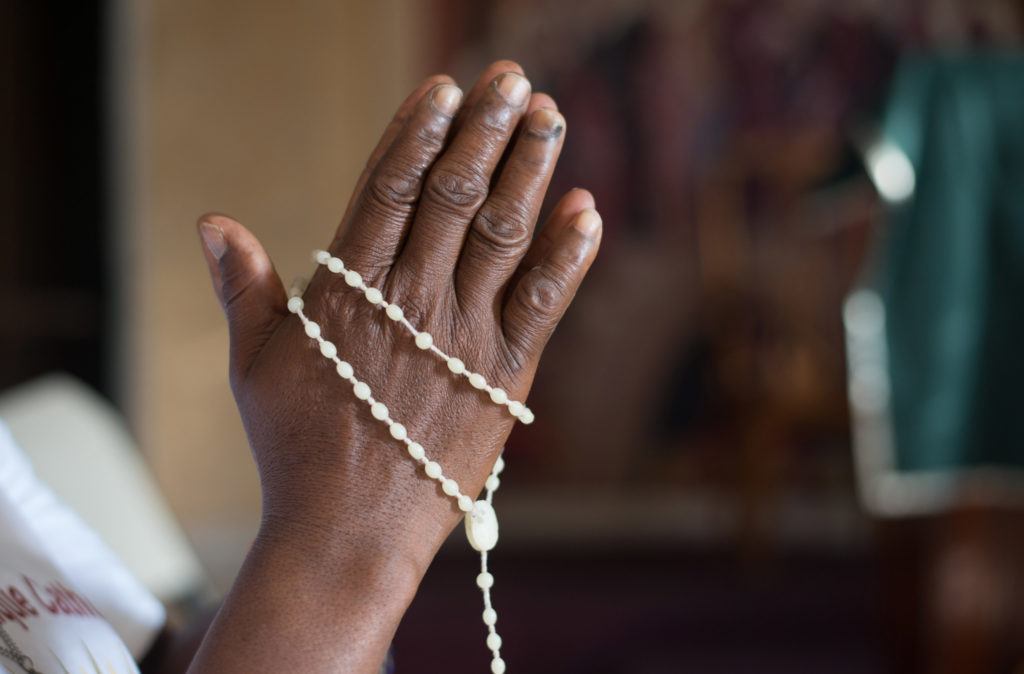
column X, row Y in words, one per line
column 442, row 221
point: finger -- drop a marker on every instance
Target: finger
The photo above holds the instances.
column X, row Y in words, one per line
column 384, row 207
column 501, row 231
column 537, row 101
column 390, row 133
column 405, row 110
column 479, row 88
column 543, row 294
column 247, row 286
column 561, row 217
column 458, row 184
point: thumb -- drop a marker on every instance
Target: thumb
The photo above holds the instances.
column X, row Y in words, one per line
column 248, row 287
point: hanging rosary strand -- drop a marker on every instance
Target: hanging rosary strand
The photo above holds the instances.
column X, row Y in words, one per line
column 423, row 339
column 481, row 522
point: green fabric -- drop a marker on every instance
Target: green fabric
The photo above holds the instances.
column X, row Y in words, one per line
column 952, row 277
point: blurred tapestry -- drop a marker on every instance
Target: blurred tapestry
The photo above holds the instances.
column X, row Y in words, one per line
column 950, row 283
column 705, row 349
column 724, row 143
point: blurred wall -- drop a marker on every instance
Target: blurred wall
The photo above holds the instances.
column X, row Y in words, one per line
column 264, row 110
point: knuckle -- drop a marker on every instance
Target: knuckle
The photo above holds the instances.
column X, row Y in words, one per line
column 396, row 180
column 417, row 299
column 336, row 304
column 394, row 187
column 415, row 311
column 495, row 122
column 503, row 225
column 541, row 294
column 492, row 122
column 430, row 137
column 366, row 252
column 458, row 190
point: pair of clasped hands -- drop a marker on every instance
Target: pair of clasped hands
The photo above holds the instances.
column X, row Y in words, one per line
column 442, row 220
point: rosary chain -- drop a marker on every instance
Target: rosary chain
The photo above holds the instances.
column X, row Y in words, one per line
column 433, row 470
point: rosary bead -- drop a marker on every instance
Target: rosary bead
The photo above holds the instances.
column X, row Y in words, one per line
column 295, row 304
column 312, row 329
column 353, row 278
column 485, row 581
column 526, row 417
column 328, row 349
column 398, row 431
column 493, row 641
column 499, row 396
column 373, row 296
column 424, row 340
column 465, row 503
column 345, row 370
column 395, row 312
column 361, row 390
column 416, row 451
column 450, row 487
column 477, row 381
column 490, row 616
column 335, row 265
column 516, row 408
column 321, row 256
column 492, row 483
column 497, row 666
column 456, row 365
column 499, row 466
column 379, row 411
column 433, row 469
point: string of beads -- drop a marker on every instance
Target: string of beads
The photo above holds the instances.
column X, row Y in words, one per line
column 480, row 520
column 424, row 340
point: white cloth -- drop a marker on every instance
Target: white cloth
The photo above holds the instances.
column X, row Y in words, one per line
column 66, row 601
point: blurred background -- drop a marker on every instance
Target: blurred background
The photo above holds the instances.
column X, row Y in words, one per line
column 779, row 430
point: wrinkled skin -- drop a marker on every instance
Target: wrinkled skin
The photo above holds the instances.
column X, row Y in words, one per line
column 442, row 221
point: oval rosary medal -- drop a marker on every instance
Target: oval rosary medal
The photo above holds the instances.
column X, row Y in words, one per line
column 482, row 527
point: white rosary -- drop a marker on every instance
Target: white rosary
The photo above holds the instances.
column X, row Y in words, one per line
column 480, row 519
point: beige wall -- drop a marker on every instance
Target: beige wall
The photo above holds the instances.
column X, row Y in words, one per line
column 265, row 110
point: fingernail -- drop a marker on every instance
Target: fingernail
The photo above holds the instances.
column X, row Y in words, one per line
column 587, row 223
column 547, row 122
column 447, row 98
column 213, row 239
column 514, row 87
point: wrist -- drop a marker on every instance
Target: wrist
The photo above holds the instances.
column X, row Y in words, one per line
column 294, row 595
column 348, row 570
column 354, row 506
column 313, row 549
